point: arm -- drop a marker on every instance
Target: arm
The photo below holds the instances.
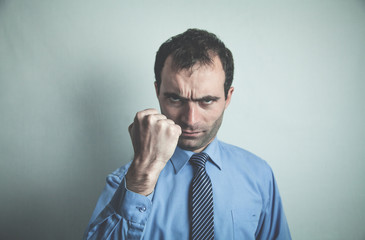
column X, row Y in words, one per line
column 119, row 213
column 124, row 206
column 273, row 223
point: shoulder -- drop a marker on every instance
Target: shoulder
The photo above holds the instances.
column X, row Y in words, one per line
column 242, row 159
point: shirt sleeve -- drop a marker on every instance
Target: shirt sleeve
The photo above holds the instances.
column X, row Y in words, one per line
column 119, row 213
column 273, row 223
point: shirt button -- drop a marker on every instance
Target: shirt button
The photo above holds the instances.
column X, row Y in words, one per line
column 142, row 209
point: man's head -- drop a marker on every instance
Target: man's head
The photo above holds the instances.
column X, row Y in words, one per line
column 194, row 72
column 192, row 47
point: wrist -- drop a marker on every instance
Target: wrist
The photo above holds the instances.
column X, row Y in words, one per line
column 141, row 180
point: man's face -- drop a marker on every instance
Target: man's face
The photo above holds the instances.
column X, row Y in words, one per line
column 195, row 100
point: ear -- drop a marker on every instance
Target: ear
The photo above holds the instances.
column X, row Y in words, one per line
column 156, row 88
column 229, row 96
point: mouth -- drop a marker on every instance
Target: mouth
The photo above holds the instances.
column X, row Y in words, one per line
column 186, row 133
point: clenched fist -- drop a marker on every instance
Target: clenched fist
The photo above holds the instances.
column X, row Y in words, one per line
column 154, row 139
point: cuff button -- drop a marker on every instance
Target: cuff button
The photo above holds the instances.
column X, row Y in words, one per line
column 142, row 209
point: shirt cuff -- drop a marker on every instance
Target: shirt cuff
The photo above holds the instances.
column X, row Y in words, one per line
column 132, row 206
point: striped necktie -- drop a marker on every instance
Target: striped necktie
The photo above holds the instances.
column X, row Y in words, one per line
column 202, row 200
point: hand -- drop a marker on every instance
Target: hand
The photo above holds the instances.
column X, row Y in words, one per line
column 154, row 139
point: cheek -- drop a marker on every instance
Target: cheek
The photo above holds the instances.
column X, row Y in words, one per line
column 209, row 119
column 170, row 111
column 213, row 118
column 214, row 114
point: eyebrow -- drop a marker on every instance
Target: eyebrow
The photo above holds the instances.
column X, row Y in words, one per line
column 174, row 95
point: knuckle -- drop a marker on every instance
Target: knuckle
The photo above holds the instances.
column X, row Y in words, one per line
column 149, row 119
column 139, row 115
column 170, row 121
column 177, row 129
column 172, row 129
column 161, row 123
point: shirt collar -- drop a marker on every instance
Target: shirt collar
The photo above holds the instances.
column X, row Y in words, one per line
column 181, row 157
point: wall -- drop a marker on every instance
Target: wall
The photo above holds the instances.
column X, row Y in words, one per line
column 73, row 73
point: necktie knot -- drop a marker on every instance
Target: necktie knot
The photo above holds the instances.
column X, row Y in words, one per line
column 199, row 159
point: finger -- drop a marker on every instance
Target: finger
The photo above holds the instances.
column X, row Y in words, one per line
column 171, row 122
column 166, row 120
column 178, row 129
column 152, row 119
column 150, row 110
column 140, row 115
column 159, row 116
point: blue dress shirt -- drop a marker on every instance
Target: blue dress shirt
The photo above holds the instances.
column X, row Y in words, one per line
column 247, row 203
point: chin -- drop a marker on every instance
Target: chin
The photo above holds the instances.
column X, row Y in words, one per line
column 190, row 145
column 187, row 144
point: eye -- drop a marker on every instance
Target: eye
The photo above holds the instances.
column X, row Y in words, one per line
column 174, row 99
column 207, row 101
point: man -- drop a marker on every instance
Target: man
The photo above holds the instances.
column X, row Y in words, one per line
column 183, row 183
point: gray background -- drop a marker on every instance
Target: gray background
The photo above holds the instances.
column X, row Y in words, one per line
column 73, row 73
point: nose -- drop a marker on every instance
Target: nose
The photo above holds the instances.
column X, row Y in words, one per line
column 191, row 114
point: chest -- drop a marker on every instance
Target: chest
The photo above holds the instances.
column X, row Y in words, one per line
column 237, row 205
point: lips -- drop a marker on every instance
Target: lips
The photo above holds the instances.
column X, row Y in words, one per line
column 191, row 133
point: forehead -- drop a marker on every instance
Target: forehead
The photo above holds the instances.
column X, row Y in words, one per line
column 203, row 78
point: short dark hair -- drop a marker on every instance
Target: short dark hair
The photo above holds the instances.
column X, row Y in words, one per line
column 191, row 47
